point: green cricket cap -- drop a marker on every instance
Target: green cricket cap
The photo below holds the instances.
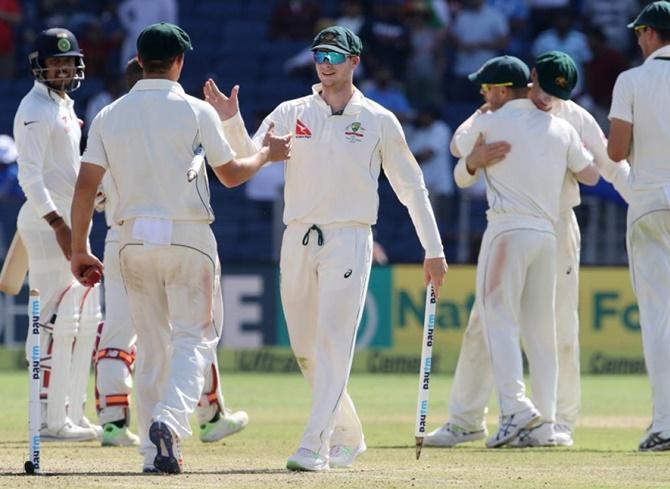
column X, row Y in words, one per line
column 508, row 70
column 656, row 14
column 339, row 39
column 162, row 41
column 556, row 73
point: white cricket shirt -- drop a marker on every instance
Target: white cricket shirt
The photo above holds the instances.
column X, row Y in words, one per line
column 641, row 97
column 332, row 176
column 146, row 140
column 47, row 135
column 529, row 181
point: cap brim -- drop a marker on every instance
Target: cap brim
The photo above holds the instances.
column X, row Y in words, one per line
column 631, row 25
column 473, row 77
column 330, row 47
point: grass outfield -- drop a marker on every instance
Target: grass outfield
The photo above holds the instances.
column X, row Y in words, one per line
column 615, row 413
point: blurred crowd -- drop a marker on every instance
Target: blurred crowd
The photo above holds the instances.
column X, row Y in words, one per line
column 417, row 54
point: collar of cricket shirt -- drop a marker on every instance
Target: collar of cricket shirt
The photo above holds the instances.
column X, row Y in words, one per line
column 157, row 84
column 51, row 94
column 662, row 51
column 354, row 106
column 520, row 103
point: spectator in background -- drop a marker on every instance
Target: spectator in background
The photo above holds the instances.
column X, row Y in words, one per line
column 429, row 141
column 425, row 65
column 98, row 47
column 478, row 33
column 563, row 36
column 389, row 93
column 9, row 180
column 611, row 17
column 10, row 17
column 516, row 12
column 386, row 38
column 135, row 15
column 601, row 74
column 352, row 15
column 542, row 13
column 294, row 20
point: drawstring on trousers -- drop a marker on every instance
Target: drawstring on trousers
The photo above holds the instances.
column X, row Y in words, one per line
column 319, row 240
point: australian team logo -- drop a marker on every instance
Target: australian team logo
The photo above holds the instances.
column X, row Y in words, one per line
column 354, row 132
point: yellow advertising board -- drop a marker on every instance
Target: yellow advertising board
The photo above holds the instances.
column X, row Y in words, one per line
column 609, row 329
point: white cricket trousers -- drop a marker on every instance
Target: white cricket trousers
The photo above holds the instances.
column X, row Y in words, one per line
column 65, row 369
column 116, row 350
column 648, row 241
column 516, row 281
column 473, row 380
column 324, row 281
column 171, row 293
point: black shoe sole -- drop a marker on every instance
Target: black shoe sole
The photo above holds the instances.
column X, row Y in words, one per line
column 165, row 462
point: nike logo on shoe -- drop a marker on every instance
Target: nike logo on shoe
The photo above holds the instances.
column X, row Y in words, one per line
column 27, row 123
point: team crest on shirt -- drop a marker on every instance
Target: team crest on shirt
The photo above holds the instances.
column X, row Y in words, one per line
column 301, row 130
column 354, row 132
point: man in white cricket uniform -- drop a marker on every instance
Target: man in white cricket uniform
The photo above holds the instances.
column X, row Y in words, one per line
column 168, row 254
column 516, row 266
column 553, row 77
column 342, row 141
column 640, row 131
column 116, row 350
column 47, row 134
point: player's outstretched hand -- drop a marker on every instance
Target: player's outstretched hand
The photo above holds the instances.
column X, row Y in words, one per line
column 279, row 146
column 484, row 154
column 225, row 106
column 84, row 267
column 434, row 270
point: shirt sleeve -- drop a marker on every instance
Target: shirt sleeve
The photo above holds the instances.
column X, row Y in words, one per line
column 578, row 156
column 595, row 141
column 406, row 178
column 95, row 149
column 213, row 140
column 622, row 98
column 32, row 141
column 462, row 176
column 466, row 135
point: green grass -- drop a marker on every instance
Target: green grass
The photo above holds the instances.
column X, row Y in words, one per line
column 615, row 412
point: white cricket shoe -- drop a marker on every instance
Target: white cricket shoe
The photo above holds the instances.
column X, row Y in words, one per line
column 84, row 422
column 563, row 435
column 67, row 432
column 307, row 460
column 227, row 424
column 539, row 436
column 342, row 456
column 510, row 426
column 450, row 435
column 655, row 441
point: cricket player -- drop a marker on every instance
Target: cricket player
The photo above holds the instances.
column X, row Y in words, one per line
column 516, row 269
column 342, row 141
column 116, row 349
column 47, row 133
column 640, row 131
column 553, row 79
column 167, row 252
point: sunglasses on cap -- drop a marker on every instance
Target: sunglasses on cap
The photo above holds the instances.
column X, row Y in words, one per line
column 332, row 57
column 488, row 86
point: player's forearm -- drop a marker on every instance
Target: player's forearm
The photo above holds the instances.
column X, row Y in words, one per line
column 421, row 214
column 463, row 177
column 37, row 195
column 464, row 127
column 239, row 170
column 80, row 214
column 238, row 137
